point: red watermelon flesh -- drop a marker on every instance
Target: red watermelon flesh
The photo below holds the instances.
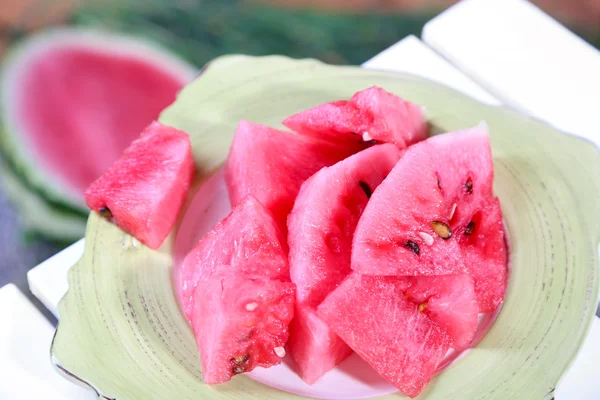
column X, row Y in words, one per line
column 337, row 120
column 240, row 323
column 144, row 190
column 484, row 251
column 83, row 92
column 248, row 240
column 320, row 230
column 271, row 165
column 373, row 113
column 372, row 315
column 322, row 222
column 416, row 222
column 314, row 347
column 450, row 302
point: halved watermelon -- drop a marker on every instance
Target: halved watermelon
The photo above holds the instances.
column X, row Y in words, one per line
column 240, row 323
column 320, row 230
column 373, row 316
column 248, row 240
column 417, row 221
column 144, row 190
column 373, row 114
column 271, row 165
column 449, row 300
column 66, row 94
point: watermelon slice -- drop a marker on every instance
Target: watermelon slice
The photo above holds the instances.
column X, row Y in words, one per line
column 417, row 221
column 373, row 113
column 68, row 92
column 240, row 323
column 271, row 165
column 240, row 311
column 248, row 239
column 144, row 190
column 372, row 315
column 321, row 226
column 449, row 300
column 314, row 347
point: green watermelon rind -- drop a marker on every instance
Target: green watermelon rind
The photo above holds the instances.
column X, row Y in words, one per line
column 38, row 216
column 54, row 197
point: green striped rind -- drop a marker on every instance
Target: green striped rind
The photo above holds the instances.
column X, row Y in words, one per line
column 120, row 328
column 41, row 215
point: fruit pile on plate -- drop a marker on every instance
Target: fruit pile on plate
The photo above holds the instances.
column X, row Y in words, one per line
column 353, row 233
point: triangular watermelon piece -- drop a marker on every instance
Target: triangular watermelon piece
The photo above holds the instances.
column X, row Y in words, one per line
column 373, row 114
column 240, row 323
column 321, row 226
column 247, row 240
column 314, row 347
column 416, row 222
column 450, row 302
column 271, row 165
column 144, row 190
column 373, row 316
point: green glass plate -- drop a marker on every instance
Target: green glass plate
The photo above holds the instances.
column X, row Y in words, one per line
column 121, row 330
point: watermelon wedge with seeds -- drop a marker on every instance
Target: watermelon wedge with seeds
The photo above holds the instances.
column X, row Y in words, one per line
column 320, row 230
column 372, row 114
column 374, row 317
column 240, row 323
column 240, row 311
column 248, row 240
column 426, row 211
column 271, row 165
column 144, row 190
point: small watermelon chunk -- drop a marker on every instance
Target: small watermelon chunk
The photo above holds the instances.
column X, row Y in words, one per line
column 372, row 315
column 248, row 240
column 144, row 190
column 338, row 120
column 450, row 302
column 271, row 165
column 314, row 347
column 321, row 226
column 429, row 208
column 373, row 113
column 240, row 323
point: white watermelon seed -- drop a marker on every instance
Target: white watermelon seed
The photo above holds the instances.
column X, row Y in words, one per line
column 366, row 137
column 279, row 351
column 251, row 306
column 452, row 211
column 427, row 238
column 134, row 242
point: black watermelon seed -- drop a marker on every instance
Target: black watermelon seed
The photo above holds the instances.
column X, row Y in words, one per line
column 105, row 213
column 413, row 247
column 470, row 228
column 366, row 188
column 240, row 364
column 469, row 186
